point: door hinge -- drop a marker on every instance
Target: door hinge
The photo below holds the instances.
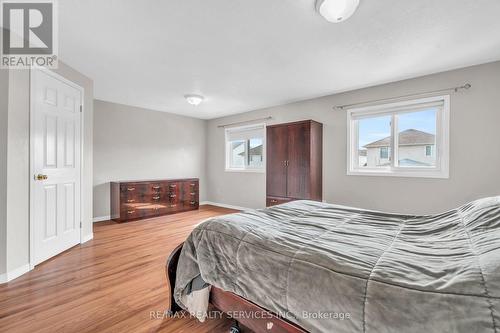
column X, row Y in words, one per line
column 80, row 224
column 81, row 108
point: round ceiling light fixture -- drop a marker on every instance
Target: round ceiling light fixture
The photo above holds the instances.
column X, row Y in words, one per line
column 194, row 99
column 336, row 10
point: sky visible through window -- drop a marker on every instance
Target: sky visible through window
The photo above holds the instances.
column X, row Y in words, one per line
column 377, row 128
column 255, row 143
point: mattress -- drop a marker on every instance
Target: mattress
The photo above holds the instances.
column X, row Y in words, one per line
column 331, row 268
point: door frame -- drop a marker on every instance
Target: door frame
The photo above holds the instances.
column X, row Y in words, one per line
column 31, row 154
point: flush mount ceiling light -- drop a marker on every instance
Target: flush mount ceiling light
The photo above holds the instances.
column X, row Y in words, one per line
column 336, row 10
column 194, row 99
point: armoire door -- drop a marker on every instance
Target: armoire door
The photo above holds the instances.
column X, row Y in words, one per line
column 277, row 154
column 298, row 165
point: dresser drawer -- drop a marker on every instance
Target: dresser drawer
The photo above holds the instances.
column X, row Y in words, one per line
column 192, row 185
column 190, row 195
column 173, row 206
column 192, row 204
column 273, row 201
column 131, row 197
column 173, row 186
column 131, row 214
column 144, row 189
column 157, row 210
column 174, row 192
column 190, row 189
column 172, row 196
column 133, row 189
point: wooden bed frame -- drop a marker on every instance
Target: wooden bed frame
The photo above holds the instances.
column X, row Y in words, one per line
column 260, row 320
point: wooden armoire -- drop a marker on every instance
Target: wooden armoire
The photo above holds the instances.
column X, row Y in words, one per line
column 294, row 162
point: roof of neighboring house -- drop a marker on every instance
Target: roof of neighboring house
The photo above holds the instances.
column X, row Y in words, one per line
column 254, row 151
column 410, row 137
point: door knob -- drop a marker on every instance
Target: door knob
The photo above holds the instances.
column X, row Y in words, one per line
column 41, row 177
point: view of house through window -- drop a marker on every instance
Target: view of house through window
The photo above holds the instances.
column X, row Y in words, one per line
column 417, row 135
column 255, row 150
column 416, row 145
column 374, row 141
column 245, row 148
column 238, row 152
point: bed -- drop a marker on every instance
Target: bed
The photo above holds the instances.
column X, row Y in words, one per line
column 319, row 267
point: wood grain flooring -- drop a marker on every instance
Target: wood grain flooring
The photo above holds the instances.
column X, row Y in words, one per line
column 112, row 283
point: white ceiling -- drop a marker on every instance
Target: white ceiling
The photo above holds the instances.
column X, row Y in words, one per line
column 249, row 54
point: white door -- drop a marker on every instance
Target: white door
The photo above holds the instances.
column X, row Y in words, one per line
column 56, row 160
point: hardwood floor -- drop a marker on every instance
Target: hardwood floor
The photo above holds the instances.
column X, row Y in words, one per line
column 110, row 284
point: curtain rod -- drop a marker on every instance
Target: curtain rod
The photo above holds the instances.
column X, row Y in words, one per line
column 244, row 122
column 454, row 89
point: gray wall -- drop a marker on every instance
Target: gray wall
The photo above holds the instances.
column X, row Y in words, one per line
column 132, row 143
column 4, row 98
column 18, row 173
column 474, row 157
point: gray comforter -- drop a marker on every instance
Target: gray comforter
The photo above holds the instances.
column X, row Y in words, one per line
column 332, row 268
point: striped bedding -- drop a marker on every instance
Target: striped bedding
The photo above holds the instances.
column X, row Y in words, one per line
column 331, row 268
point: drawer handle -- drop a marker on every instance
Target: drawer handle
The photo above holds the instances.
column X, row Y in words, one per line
column 172, row 206
column 173, row 185
column 130, row 188
column 156, row 198
column 274, row 201
column 131, row 212
column 130, row 200
column 156, row 187
column 193, row 203
column 172, row 195
column 193, row 193
column 192, row 184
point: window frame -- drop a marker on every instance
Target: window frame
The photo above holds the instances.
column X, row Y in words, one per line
column 441, row 148
column 246, row 168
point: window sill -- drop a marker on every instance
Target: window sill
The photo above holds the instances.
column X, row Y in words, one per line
column 246, row 170
column 401, row 173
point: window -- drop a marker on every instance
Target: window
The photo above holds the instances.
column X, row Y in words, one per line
column 428, row 151
column 407, row 139
column 245, row 148
column 384, row 153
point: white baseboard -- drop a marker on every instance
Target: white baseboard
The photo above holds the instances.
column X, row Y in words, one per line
column 86, row 238
column 224, row 205
column 15, row 273
column 101, row 218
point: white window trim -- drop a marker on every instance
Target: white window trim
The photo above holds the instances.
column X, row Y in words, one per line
column 442, row 139
column 245, row 169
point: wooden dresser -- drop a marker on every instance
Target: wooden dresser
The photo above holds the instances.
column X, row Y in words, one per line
column 144, row 199
column 294, row 162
